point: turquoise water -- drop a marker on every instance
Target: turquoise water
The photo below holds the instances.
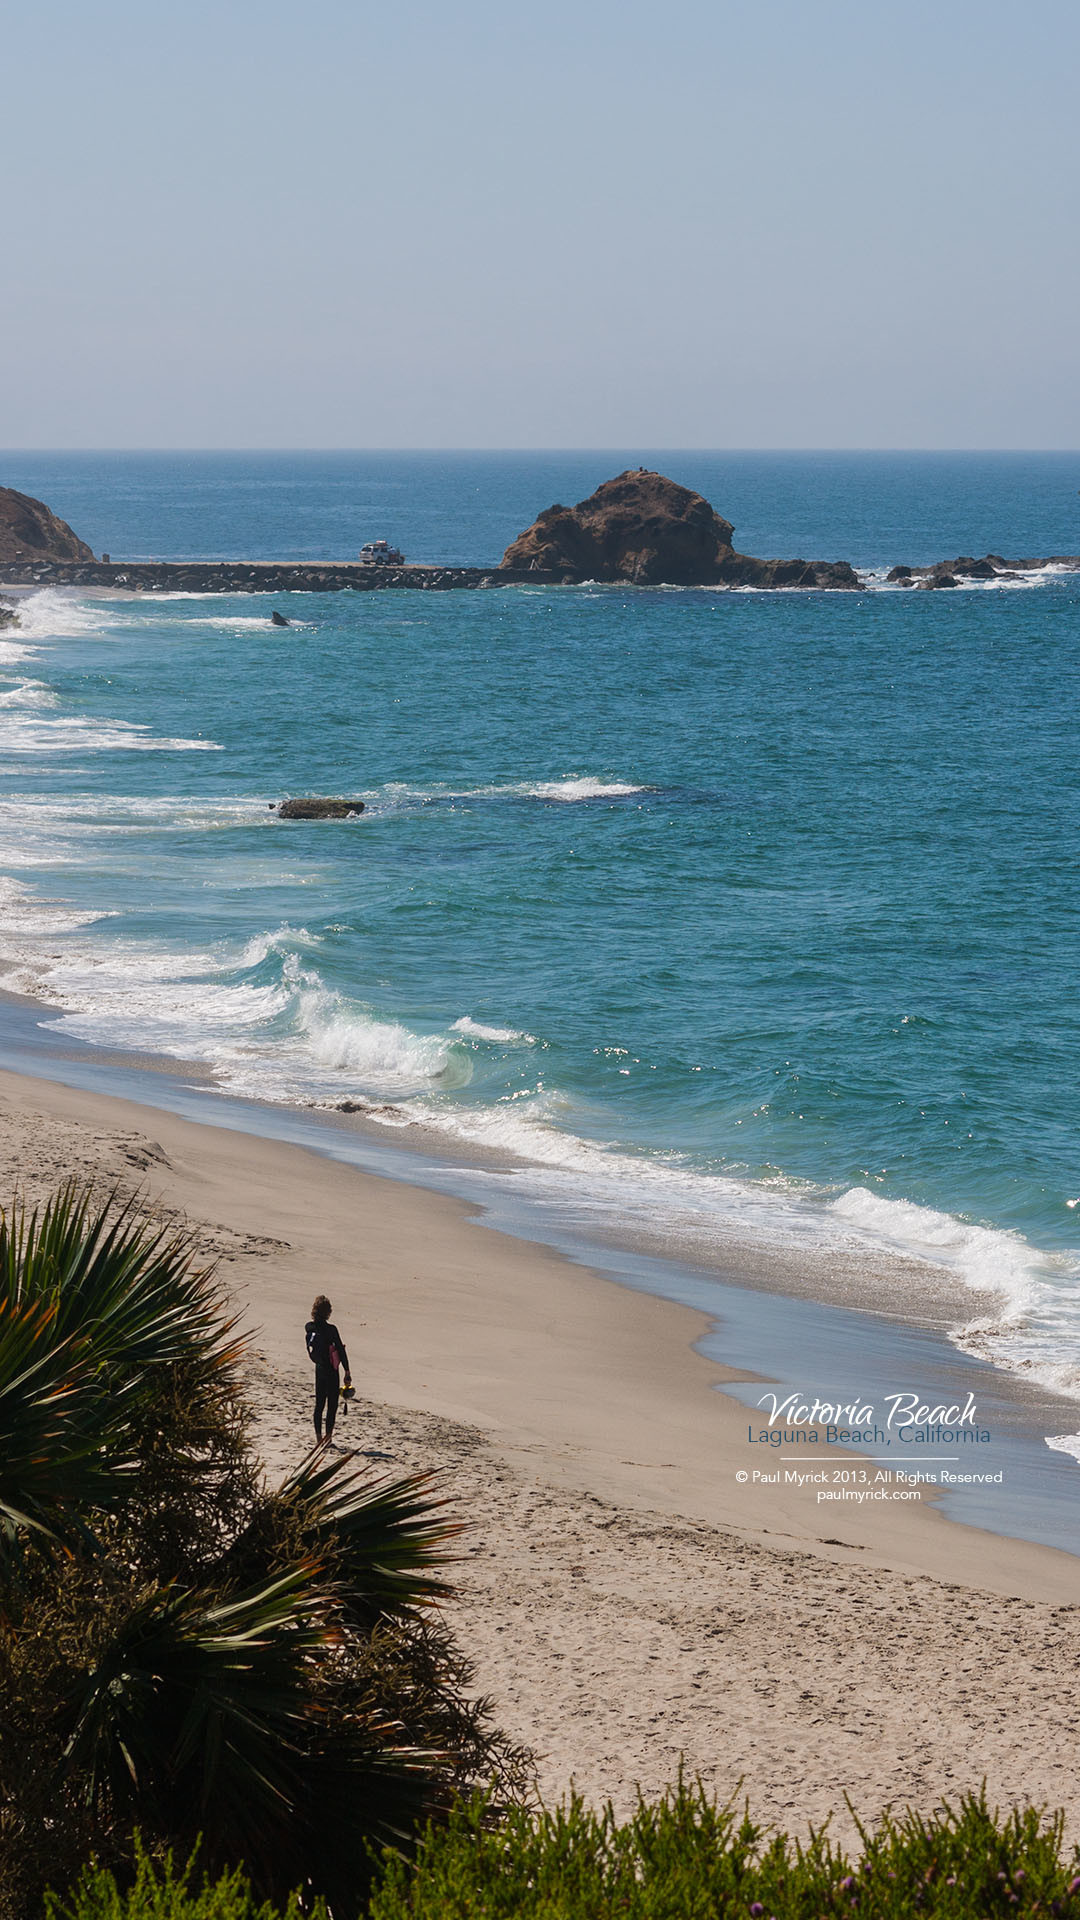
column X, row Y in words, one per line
column 754, row 914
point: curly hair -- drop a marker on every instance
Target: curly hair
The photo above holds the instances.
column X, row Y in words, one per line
column 321, row 1308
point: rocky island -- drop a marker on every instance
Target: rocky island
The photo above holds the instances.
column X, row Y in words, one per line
column 645, row 529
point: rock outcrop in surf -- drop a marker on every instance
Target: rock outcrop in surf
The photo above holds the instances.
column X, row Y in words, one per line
column 645, row 529
column 317, row 807
column 29, row 530
column 950, row 573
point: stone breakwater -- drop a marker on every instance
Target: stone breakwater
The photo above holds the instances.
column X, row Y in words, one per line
column 269, row 576
column 254, row 576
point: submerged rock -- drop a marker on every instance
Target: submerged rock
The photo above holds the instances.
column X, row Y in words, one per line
column 317, row 808
column 645, row 529
column 29, row 530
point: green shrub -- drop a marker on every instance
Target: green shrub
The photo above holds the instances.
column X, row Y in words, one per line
column 162, row 1893
column 684, row 1858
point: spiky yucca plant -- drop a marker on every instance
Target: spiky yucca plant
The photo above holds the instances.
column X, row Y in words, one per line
column 253, row 1673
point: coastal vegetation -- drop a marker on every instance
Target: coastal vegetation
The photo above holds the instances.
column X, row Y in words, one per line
column 248, row 1675
column 679, row 1858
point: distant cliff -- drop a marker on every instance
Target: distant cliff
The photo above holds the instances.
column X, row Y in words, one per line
column 29, row 531
column 645, row 529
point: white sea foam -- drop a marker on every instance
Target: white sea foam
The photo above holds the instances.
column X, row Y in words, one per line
column 28, row 693
column 244, row 622
column 104, row 813
column 12, row 652
column 77, row 733
column 581, row 788
column 52, row 614
column 30, row 924
column 381, row 1056
column 987, row 1259
column 501, row 1036
column 31, row 720
column 280, row 940
column 572, row 787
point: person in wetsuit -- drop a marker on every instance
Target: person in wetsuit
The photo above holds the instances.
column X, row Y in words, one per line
column 326, row 1349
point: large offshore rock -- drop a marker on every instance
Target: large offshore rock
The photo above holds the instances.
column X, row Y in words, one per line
column 318, row 808
column 643, row 528
column 29, row 530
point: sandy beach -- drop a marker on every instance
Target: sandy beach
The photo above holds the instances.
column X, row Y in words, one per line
column 625, row 1601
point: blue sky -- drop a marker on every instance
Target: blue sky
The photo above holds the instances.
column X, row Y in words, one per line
column 819, row 224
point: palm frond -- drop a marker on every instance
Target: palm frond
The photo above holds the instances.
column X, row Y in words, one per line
column 116, row 1319
column 201, row 1716
column 199, row 1710
column 133, row 1288
column 383, row 1542
column 56, row 1431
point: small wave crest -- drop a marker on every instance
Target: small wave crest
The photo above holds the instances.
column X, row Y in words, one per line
column 279, row 941
column 572, row 788
column 77, row 733
column 52, row 614
column 581, row 788
column 499, row 1036
column 987, row 1259
column 379, row 1056
column 28, row 693
column 13, row 652
column 1029, row 1292
column 263, row 1017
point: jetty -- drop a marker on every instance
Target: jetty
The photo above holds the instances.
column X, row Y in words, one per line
column 259, row 576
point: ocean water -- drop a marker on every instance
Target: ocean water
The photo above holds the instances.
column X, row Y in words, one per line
column 747, row 916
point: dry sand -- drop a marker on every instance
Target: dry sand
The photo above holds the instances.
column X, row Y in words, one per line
column 623, row 1600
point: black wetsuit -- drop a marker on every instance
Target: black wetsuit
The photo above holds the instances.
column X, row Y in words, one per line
column 322, row 1337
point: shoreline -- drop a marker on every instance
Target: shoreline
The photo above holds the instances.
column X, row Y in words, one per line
column 621, row 1608
column 637, row 1338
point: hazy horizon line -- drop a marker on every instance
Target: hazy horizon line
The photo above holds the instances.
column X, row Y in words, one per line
column 638, row 449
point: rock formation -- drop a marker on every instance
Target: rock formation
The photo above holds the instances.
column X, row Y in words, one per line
column 30, row 531
column 9, row 615
column 949, row 573
column 316, row 808
column 647, row 530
